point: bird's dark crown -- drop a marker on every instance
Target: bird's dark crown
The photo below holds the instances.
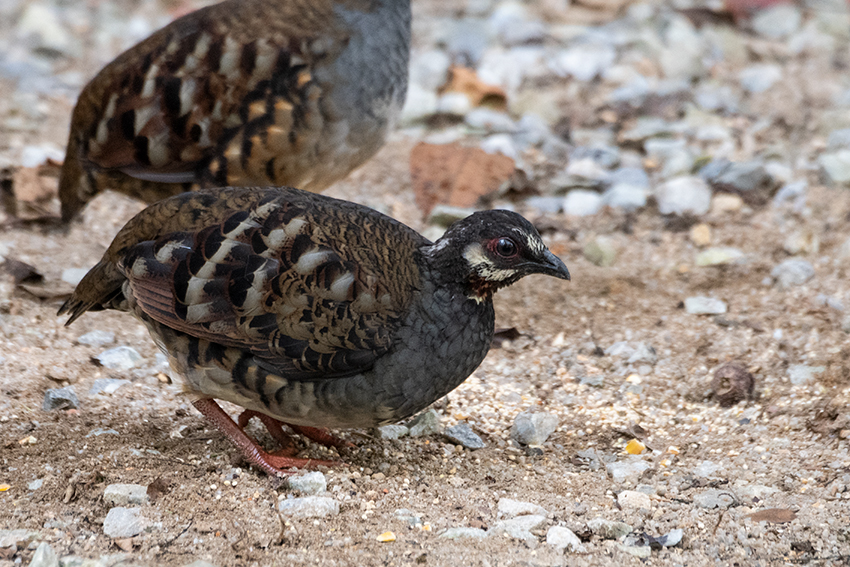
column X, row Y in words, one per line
column 489, row 250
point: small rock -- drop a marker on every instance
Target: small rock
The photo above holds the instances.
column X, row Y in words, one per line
column 123, row 494
column 560, row 537
column 60, row 398
column 777, row 21
column 643, row 353
column 700, row 234
column 96, row 338
column 625, row 196
column 123, row 522
column 792, row 272
column 106, row 386
column 73, row 276
column 41, row 23
column 518, row 528
column 639, row 551
column 627, row 470
column 748, row 179
column 584, row 62
column 759, row 78
column 802, row 374
column 752, row 492
column 608, row 529
column 462, row 533
column 795, row 192
column 732, row 384
column 120, row 358
column 310, row 483
column 582, row 203
column 706, row 469
column 631, row 499
column 671, row 538
column 683, row 195
column 836, row 166
column 546, row 203
column 44, row 556
column 600, row 251
column 714, row 498
column 392, row 431
column 533, row 428
column 509, row 508
column 723, row 203
column 426, row 423
column 802, row 242
column 718, row 256
column 36, row 484
column 702, row 305
column 309, row 507
column 463, row 435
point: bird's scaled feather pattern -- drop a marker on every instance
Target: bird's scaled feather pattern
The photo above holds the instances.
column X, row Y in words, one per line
column 310, row 310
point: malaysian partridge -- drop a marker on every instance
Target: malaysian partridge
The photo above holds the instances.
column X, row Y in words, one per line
column 245, row 92
column 310, row 311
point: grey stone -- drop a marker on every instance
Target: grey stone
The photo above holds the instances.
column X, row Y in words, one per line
column 737, row 177
column 453, row 104
column 627, row 470
column 392, row 431
column 643, row 353
column 463, row 533
column 419, row 104
column 600, row 251
column 625, row 196
column 802, row 374
column 519, row 527
column 777, row 21
column 683, row 195
column 426, row 423
column 639, row 551
column 36, row 484
column 752, row 492
column 120, row 358
column 73, row 276
column 582, row 203
column 510, row 508
column 463, row 435
column 711, row 498
column 96, row 338
column 99, row 432
column 714, row 98
column 839, row 139
column 792, row 272
column 608, row 529
column 671, row 538
column 408, row 516
column 631, row 499
column 836, row 166
column 430, row 69
column 124, row 494
column 584, row 62
column 41, row 24
column 701, row 305
column 647, row 127
column 719, row 255
column 606, row 157
column 706, row 469
column 60, row 398
column 500, row 144
column 467, row 40
column 44, row 556
column 123, row 522
column 106, row 386
column 309, row 507
column 310, row 483
column 760, row 77
column 546, row 203
column 560, row 537
column 795, row 192
column 490, row 120
column 533, row 428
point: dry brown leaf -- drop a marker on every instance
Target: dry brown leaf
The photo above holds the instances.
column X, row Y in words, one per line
column 455, row 175
column 773, row 515
column 464, row 80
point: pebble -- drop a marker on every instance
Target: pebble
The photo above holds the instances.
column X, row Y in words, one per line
column 546, row 203
column 60, row 398
column 462, row 533
column 802, row 374
column 562, row 538
column 124, row 494
column 792, row 272
column 36, row 484
column 711, row 498
column 724, row 203
column 639, row 551
column 631, row 499
column 743, row 178
column 490, row 121
column 582, row 203
column 518, row 528
column 96, row 338
column 41, row 24
column 426, row 423
column 310, row 483
column 801, row 241
column 430, row 69
column 643, row 353
column 700, row 234
column 777, row 21
column 120, row 358
column 600, row 251
column 583, row 62
column 392, row 431
column 44, row 556
column 510, row 508
column 625, row 196
column 106, row 386
column 626, row 470
column 533, row 428
column 753, row 492
column 836, row 166
column 706, row 469
column 683, row 195
column 718, row 256
column 701, row 305
column 463, row 435
column 73, row 276
column 671, row 538
column 308, row 507
column 760, row 77
column 795, row 192
column 608, row 529
column 123, row 522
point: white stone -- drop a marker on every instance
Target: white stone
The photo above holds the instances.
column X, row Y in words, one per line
column 684, row 195
column 510, row 508
column 310, row 483
column 124, row 494
column 560, row 537
column 309, row 507
column 632, row 499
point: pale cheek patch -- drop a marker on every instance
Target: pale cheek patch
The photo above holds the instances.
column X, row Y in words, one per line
column 483, row 266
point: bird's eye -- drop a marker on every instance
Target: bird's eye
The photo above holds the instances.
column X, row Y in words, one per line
column 506, row 247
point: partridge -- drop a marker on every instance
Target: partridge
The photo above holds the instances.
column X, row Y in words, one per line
column 244, row 92
column 310, row 311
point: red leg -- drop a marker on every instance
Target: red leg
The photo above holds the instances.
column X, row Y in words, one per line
column 320, row 436
column 271, row 464
column 285, row 440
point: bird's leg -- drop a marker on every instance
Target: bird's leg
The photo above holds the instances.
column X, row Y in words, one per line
column 271, row 464
column 321, row 436
column 285, row 440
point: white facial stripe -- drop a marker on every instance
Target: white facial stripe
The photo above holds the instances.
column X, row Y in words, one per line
column 483, row 266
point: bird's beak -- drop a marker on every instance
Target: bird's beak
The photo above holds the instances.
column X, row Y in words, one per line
column 552, row 266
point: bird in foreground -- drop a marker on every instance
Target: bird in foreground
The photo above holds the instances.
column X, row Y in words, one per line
column 244, row 92
column 309, row 311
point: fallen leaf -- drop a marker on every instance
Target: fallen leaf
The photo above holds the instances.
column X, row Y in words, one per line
column 464, row 80
column 773, row 515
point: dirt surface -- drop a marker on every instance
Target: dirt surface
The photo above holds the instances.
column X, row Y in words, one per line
column 786, row 448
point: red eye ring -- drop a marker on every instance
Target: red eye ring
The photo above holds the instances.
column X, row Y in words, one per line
column 505, row 247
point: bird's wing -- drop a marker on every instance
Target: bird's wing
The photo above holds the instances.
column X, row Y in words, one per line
column 203, row 87
column 310, row 289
